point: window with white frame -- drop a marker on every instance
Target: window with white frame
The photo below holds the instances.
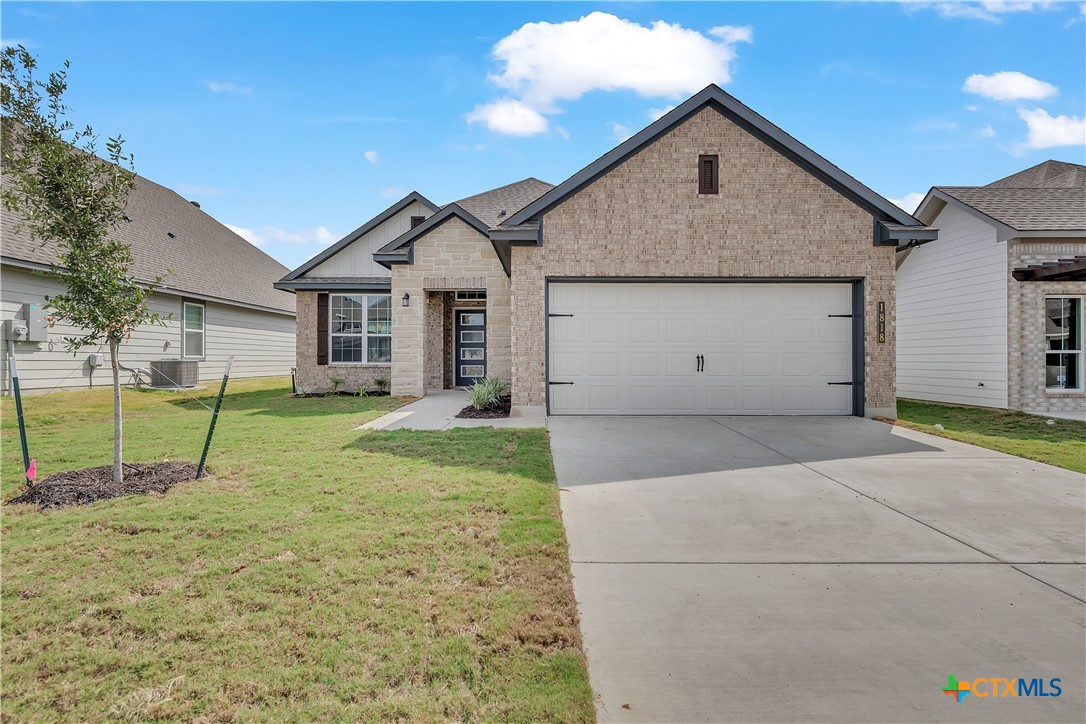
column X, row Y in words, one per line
column 192, row 330
column 1063, row 343
column 361, row 328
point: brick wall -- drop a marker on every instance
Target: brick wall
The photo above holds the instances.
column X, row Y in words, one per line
column 1026, row 325
column 645, row 218
column 450, row 257
column 312, row 377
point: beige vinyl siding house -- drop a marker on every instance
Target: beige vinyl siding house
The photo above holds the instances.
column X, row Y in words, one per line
column 710, row 264
column 216, row 300
column 993, row 313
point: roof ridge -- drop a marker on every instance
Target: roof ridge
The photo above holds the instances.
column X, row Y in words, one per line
column 503, row 186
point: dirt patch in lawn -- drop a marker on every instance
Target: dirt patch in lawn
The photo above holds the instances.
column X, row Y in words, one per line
column 499, row 410
column 79, row 487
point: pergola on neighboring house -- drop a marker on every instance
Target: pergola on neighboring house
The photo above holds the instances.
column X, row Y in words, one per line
column 710, row 264
column 217, row 290
column 992, row 314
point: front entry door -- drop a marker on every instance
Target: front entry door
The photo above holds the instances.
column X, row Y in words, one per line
column 470, row 346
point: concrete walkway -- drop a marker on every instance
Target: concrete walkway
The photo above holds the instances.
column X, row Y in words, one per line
column 437, row 411
column 818, row 569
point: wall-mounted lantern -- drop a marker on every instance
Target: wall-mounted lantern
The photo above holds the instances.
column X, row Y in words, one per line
column 406, row 301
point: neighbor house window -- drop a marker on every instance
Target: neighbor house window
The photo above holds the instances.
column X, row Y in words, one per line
column 361, row 328
column 192, row 329
column 1063, row 343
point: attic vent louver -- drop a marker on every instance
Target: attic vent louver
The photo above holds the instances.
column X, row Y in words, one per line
column 502, row 213
column 195, row 203
column 708, row 181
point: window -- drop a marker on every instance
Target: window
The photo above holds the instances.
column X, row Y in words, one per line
column 708, row 181
column 471, row 319
column 192, row 330
column 1063, row 343
column 470, row 295
column 360, row 326
column 416, row 220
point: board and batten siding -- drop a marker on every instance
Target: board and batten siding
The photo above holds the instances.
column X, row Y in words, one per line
column 357, row 258
column 262, row 343
column 952, row 315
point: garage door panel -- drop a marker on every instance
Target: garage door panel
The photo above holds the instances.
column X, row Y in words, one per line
column 633, row 348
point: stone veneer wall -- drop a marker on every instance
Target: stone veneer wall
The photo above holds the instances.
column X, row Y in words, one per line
column 1026, row 322
column 451, row 256
column 645, row 218
column 312, row 377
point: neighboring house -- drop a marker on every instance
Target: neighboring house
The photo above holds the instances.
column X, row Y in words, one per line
column 217, row 290
column 710, row 264
column 992, row 313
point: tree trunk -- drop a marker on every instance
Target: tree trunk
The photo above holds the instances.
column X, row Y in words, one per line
column 118, row 472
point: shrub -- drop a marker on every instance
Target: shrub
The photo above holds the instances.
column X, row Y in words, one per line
column 381, row 383
column 362, row 391
column 337, row 382
column 486, row 392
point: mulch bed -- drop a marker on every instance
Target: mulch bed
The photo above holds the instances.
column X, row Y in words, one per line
column 79, row 487
column 487, row 413
column 341, row 393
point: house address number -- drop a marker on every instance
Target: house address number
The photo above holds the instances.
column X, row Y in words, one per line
column 882, row 323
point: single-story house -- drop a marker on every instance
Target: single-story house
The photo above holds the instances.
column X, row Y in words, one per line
column 710, row 264
column 991, row 314
column 217, row 293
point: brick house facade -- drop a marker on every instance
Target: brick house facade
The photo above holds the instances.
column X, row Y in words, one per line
column 710, row 194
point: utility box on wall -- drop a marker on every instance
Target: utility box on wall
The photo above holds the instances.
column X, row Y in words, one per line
column 37, row 324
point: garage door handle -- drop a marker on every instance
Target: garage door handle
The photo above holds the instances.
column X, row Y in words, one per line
column 701, row 362
column 847, row 316
column 559, row 315
column 838, row 383
column 570, row 383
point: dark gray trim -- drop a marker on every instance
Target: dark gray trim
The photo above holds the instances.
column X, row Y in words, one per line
column 858, row 349
column 361, row 231
column 893, row 237
column 714, row 97
column 516, row 235
column 317, row 286
column 393, row 252
column 858, row 310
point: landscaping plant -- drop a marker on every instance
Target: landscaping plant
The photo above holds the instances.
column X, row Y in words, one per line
column 486, row 392
column 70, row 200
column 381, row 383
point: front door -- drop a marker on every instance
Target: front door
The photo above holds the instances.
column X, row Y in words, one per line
column 470, row 346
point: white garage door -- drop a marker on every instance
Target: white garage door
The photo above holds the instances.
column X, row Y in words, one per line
column 700, row 348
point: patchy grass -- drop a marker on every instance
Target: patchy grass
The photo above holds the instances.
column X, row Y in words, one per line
column 322, row 573
column 1028, row 436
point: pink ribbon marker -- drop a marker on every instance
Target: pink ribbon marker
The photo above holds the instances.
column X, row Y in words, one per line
column 32, row 471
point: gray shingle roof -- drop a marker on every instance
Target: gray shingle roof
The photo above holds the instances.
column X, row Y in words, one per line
column 1049, row 174
column 1026, row 209
column 204, row 257
column 488, row 206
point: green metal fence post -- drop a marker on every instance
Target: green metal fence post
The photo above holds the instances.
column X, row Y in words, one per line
column 214, row 418
column 19, row 414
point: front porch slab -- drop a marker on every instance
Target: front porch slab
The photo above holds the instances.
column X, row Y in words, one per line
column 437, row 411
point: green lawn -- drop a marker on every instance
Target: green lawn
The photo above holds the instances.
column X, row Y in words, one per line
column 321, row 573
column 1027, row 436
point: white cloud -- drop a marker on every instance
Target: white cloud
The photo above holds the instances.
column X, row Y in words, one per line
column 371, row 156
column 509, row 117
column 1047, row 131
column 988, row 11
column 656, row 114
column 546, row 63
column 986, row 132
column 971, row 108
column 1009, row 85
column 217, row 87
column 620, row 132
column 909, row 202
column 562, row 132
column 248, row 234
column 318, row 235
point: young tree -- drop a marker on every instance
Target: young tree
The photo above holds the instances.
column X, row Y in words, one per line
column 70, row 200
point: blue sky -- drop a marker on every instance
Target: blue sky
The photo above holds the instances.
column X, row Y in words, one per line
column 296, row 122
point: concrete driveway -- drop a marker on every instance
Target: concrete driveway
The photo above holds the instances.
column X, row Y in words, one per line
column 818, row 569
